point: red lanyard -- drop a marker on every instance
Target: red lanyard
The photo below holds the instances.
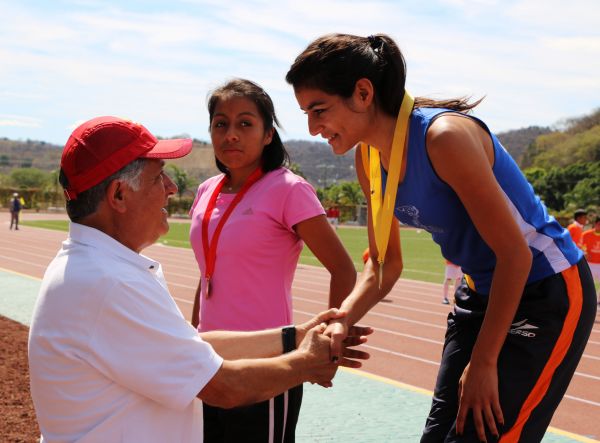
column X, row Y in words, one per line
column 210, row 250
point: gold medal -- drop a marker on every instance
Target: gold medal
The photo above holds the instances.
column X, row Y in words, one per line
column 382, row 207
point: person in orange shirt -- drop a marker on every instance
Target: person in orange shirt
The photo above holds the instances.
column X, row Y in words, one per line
column 576, row 228
column 590, row 243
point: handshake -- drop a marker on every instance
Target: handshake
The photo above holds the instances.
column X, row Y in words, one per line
column 322, row 345
column 321, row 349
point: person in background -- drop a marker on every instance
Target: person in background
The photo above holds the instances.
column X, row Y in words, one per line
column 590, row 243
column 333, row 216
column 452, row 274
column 111, row 358
column 15, row 209
column 429, row 164
column 249, row 224
column 576, row 228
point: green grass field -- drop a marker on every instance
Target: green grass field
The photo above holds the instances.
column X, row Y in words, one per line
column 422, row 258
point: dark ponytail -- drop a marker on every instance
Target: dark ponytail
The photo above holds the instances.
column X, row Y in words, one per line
column 334, row 63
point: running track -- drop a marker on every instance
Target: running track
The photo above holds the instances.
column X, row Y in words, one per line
column 409, row 324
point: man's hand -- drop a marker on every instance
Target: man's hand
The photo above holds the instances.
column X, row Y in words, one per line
column 355, row 336
column 315, row 348
column 322, row 317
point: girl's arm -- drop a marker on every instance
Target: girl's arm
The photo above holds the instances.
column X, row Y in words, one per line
column 324, row 243
column 462, row 154
column 366, row 292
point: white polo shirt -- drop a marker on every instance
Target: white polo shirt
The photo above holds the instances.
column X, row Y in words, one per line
column 111, row 357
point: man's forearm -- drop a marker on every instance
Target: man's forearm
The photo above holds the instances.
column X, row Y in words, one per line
column 248, row 381
column 233, row 345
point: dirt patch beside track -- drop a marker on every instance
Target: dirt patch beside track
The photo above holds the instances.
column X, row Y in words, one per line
column 18, row 422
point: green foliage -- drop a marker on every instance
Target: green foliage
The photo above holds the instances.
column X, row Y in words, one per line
column 342, row 194
column 578, row 142
column 180, row 205
column 564, row 166
column 29, row 178
column 586, row 192
column 575, row 185
column 347, row 196
column 180, row 177
column 561, row 149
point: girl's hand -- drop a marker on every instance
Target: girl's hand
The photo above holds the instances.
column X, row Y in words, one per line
column 478, row 392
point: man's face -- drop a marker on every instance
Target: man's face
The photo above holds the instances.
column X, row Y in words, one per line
column 146, row 208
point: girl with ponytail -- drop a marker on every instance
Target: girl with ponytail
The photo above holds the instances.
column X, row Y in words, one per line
column 429, row 164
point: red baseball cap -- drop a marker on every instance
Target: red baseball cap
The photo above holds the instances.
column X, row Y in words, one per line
column 103, row 145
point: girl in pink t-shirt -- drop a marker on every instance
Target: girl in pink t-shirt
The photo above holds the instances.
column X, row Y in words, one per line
column 248, row 228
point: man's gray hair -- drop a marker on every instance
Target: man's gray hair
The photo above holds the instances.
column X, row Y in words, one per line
column 87, row 202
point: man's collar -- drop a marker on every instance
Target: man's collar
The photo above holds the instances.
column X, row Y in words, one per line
column 97, row 239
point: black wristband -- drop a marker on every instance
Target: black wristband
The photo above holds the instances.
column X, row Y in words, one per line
column 288, row 338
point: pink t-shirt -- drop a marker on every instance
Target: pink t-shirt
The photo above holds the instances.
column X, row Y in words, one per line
column 257, row 251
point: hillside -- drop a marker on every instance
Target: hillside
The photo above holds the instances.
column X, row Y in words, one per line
column 579, row 140
column 27, row 154
column 319, row 164
column 315, row 159
column 517, row 141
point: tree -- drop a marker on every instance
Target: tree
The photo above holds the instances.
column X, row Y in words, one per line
column 350, row 194
column 29, row 178
column 180, row 177
column 576, row 185
column 342, row 194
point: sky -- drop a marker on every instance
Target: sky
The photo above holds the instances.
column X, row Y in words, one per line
column 537, row 62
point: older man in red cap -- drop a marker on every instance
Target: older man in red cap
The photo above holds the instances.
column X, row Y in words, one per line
column 111, row 356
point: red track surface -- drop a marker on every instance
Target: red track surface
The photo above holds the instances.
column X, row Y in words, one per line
column 409, row 323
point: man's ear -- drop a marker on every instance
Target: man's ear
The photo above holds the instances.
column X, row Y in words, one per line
column 364, row 93
column 115, row 195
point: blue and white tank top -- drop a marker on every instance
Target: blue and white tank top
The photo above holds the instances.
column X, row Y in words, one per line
column 425, row 201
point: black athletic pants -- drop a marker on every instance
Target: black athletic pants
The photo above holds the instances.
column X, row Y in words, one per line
column 539, row 357
column 271, row 421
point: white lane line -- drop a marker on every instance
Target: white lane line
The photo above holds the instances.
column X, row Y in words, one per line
column 403, row 307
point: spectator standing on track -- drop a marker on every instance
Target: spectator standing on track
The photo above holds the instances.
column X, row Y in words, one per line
column 248, row 228
column 452, row 274
column 333, row 216
column 451, row 177
column 590, row 243
column 111, row 357
column 15, row 209
column 576, row 228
